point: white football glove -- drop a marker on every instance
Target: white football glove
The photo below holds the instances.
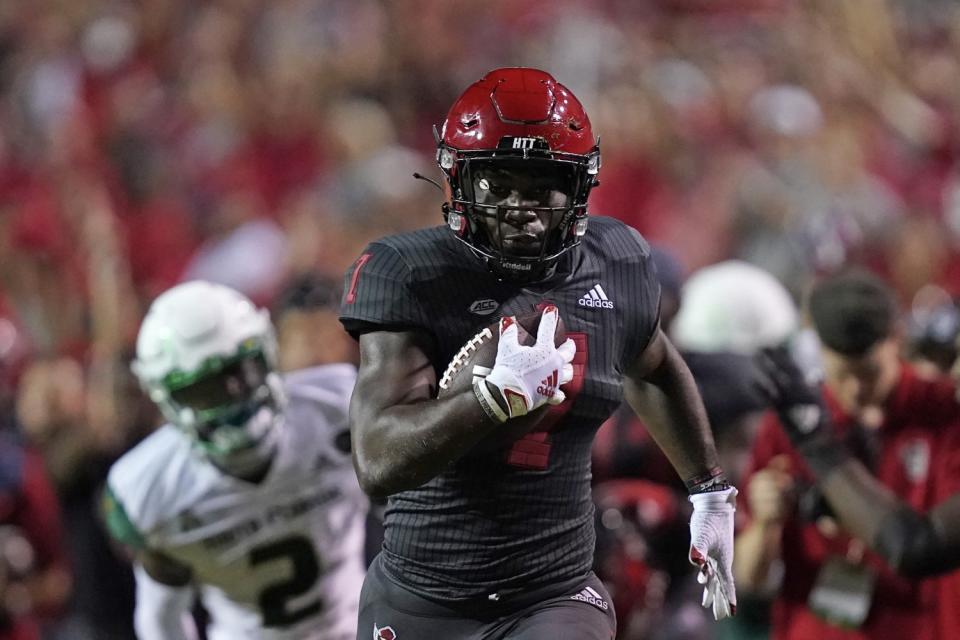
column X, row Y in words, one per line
column 711, row 548
column 526, row 378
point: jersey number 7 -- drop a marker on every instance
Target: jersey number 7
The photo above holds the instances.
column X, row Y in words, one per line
column 532, row 451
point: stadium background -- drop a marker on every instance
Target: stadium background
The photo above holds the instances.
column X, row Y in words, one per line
column 253, row 142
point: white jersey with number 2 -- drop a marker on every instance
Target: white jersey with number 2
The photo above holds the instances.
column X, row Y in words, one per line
column 279, row 559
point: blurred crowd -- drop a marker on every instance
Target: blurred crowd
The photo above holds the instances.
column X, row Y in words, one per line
column 254, row 143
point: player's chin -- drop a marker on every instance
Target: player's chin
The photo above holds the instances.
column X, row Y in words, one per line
column 522, row 248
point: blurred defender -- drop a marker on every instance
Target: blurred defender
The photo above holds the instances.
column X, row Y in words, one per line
column 247, row 494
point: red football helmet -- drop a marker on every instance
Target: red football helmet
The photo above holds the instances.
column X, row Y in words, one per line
column 518, row 144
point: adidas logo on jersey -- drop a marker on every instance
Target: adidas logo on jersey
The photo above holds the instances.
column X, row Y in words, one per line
column 596, row 299
column 591, row 596
column 548, row 386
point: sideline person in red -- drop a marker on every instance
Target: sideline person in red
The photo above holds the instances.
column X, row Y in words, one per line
column 895, row 423
column 35, row 580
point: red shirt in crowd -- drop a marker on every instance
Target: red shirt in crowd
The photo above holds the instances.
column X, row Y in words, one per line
column 910, row 450
column 28, row 502
column 947, row 485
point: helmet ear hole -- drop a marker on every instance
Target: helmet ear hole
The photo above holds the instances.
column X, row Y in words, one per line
column 446, row 158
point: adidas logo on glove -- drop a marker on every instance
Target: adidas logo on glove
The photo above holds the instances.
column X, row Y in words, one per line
column 548, row 386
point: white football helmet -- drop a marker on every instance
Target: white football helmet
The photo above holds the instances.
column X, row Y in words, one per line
column 206, row 355
column 733, row 306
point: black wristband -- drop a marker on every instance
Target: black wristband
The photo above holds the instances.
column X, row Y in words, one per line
column 712, row 480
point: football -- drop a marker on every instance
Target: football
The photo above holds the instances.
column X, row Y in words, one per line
column 476, row 358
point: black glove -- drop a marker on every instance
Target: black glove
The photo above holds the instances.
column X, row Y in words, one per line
column 801, row 409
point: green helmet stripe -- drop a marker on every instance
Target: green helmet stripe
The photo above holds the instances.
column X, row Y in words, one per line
column 178, row 379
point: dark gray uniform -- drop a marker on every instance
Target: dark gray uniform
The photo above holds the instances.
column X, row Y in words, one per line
column 513, row 522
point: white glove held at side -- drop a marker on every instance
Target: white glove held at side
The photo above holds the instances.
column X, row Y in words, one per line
column 524, row 377
column 711, row 548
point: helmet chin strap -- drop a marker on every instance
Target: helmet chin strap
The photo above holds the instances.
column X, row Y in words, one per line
column 506, row 273
column 538, row 271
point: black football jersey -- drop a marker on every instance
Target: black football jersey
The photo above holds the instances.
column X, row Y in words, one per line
column 521, row 516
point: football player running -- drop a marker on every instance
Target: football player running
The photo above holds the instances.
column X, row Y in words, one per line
column 497, row 541
column 247, row 496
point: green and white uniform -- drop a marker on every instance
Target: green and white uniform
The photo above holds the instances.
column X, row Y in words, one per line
column 279, row 559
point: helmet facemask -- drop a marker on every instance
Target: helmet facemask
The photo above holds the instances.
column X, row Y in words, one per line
column 520, row 209
column 230, row 405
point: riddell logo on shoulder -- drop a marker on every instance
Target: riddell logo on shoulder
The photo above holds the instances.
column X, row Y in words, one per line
column 595, row 299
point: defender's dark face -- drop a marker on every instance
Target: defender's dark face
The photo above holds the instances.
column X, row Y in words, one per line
column 232, row 384
column 228, row 395
column 521, row 204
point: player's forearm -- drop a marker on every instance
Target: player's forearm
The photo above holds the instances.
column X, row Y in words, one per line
column 857, row 499
column 160, row 625
column 406, row 445
column 757, row 548
column 162, row 612
column 912, row 543
column 402, row 435
column 668, row 402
